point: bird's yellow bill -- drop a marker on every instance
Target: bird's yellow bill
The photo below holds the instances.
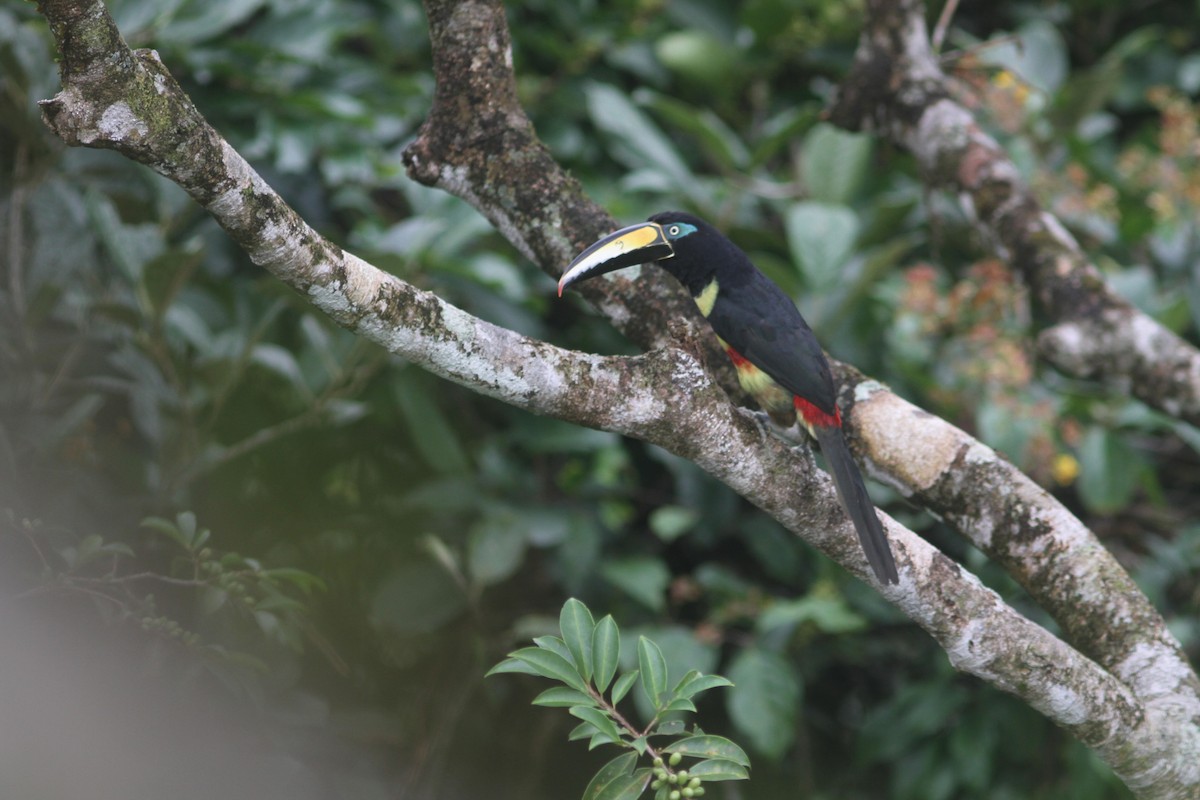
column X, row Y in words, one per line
column 636, row 244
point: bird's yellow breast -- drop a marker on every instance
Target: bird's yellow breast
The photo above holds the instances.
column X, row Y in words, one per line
column 707, row 297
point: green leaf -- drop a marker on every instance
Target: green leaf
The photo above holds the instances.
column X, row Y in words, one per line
column 432, row 433
column 304, row 581
column 821, row 237
column 643, row 578
column 606, row 651
column 1109, row 471
column 670, row 727
column 1037, row 55
column 679, row 704
column 551, row 665
column 555, row 645
column 597, row 719
column 716, row 138
column 636, row 140
column 280, row 360
column 562, row 697
column 168, row 529
column 828, row 614
column 718, row 769
column 417, row 597
column 653, row 668
column 623, row 685
column 608, row 776
column 601, row 738
column 576, row 623
column 495, row 549
column 671, row 522
column 763, row 704
column 834, row 163
column 711, row 747
column 584, row 730
column 696, row 682
column 511, row 665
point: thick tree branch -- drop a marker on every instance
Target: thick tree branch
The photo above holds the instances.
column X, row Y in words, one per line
column 126, row 101
column 898, row 89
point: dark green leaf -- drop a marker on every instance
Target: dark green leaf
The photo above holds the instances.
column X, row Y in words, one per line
column 597, row 719
column 168, row 529
column 495, row 549
column 644, row 579
column 601, row 738
column 584, row 730
column 670, row 727
column 653, row 668
column 576, row 623
column 834, row 163
column 679, row 704
column 431, row 432
column 623, row 685
column 417, row 597
column 638, row 141
column 719, row 142
column 718, row 769
column 562, row 697
column 551, row 665
column 700, row 683
column 822, row 238
column 709, row 746
column 608, row 775
column 828, row 614
column 555, row 645
column 511, row 665
column 1109, row 471
column 606, row 651
column 763, row 704
column 671, row 522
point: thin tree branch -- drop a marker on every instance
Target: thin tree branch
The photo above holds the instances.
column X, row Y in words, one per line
column 898, row 89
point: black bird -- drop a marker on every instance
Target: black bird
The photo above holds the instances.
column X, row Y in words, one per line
column 777, row 357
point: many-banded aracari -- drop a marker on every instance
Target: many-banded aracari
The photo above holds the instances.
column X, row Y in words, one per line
column 777, row 357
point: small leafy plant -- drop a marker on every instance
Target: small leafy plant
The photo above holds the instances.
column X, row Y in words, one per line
column 585, row 658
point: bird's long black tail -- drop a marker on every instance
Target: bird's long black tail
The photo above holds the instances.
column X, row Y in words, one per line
column 852, row 492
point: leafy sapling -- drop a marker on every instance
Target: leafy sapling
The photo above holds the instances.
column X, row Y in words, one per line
column 585, row 659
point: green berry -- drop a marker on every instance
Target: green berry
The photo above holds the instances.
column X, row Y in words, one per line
column 694, row 782
column 658, row 762
column 687, row 792
column 683, row 775
column 675, row 795
column 675, row 758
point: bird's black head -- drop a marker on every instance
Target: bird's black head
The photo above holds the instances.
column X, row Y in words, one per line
column 701, row 251
column 681, row 243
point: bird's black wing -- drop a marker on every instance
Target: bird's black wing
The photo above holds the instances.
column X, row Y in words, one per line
column 762, row 323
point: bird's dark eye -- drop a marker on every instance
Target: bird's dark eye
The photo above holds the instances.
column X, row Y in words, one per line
column 673, row 230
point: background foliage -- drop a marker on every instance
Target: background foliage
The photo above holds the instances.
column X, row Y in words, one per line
column 263, row 508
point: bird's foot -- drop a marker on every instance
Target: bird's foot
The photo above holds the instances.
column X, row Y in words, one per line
column 794, row 435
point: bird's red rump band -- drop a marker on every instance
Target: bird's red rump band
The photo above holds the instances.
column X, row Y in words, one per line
column 739, row 360
column 807, row 411
column 815, row 416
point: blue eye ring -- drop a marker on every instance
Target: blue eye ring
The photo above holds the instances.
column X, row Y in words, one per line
column 677, row 230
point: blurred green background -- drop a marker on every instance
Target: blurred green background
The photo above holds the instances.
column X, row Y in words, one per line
column 265, row 510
